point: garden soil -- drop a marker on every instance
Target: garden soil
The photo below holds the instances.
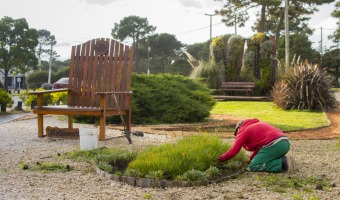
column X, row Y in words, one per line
column 317, row 154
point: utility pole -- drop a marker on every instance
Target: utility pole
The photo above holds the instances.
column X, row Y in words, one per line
column 235, row 24
column 149, row 49
column 50, row 65
column 287, row 35
column 321, row 49
column 210, row 15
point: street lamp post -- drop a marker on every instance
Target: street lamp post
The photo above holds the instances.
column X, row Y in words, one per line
column 210, row 15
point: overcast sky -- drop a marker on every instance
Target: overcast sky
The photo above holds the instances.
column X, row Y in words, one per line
column 76, row 21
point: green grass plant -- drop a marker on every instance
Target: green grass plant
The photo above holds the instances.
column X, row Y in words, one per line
column 22, row 165
column 107, row 159
column 267, row 111
column 99, row 154
column 338, row 144
column 198, row 152
column 281, row 183
column 50, row 167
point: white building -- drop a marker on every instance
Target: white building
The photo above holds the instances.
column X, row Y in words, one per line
column 17, row 81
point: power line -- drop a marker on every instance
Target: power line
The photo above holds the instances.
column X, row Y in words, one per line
column 198, row 29
column 329, row 29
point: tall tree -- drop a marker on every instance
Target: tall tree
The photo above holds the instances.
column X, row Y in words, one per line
column 45, row 46
column 200, row 51
column 336, row 14
column 271, row 17
column 164, row 50
column 17, row 44
column 300, row 46
column 332, row 64
column 45, row 41
column 135, row 28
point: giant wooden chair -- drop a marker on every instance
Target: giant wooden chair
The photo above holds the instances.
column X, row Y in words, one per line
column 100, row 71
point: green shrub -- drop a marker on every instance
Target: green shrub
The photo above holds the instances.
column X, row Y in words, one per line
column 198, row 153
column 5, row 98
column 59, row 97
column 110, row 160
column 165, row 98
column 106, row 167
column 116, row 158
column 62, row 72
column 159, row 174
column 36, row 79
column 24, row 95
column 47, row 98
column 305, row 87
column 194, row 175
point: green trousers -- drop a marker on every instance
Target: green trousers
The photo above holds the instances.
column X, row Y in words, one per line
column 269, row 159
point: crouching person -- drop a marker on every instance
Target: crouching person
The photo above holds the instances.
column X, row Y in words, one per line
column 268, row 144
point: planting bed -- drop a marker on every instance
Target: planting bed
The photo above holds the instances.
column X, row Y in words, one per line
column 156, row 183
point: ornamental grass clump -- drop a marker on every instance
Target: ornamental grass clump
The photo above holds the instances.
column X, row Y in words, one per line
column 305, row 87
column 114, row 161
column 189, row 158
column 110, row 160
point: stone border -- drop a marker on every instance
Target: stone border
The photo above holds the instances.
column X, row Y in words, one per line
column 156, row 183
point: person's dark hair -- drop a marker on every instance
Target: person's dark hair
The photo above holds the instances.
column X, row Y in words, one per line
column 238, row 125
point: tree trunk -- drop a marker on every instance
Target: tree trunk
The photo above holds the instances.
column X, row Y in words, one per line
column 222, row 69
column 3, row 107
column 275, row 41
column 257, row 61
column 6, row 79
column 263, row 18
column 239, row 62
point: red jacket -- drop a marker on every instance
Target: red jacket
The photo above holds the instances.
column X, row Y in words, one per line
column 252, row 135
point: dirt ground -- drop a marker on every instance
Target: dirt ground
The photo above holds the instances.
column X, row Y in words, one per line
column 317, row 155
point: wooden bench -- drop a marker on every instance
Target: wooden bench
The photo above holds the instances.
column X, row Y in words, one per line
column 247, row 87
column 99, row 69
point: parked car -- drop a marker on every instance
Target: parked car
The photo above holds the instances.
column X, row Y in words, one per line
column 61, row 83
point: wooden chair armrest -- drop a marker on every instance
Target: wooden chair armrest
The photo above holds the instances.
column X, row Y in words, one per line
column 49, row 91
column 41, row 93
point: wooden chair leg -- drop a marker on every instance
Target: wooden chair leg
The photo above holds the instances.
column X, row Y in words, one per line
column 102, row 127
column 128, row 120
column 40, row 125
column 70, row 122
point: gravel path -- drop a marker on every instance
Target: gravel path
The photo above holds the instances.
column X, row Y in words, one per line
column 19, row 142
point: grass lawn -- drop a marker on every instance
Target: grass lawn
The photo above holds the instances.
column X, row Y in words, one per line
column 268, row 112
column 335, row 89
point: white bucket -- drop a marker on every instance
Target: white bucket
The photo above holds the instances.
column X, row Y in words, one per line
column 88, row 139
